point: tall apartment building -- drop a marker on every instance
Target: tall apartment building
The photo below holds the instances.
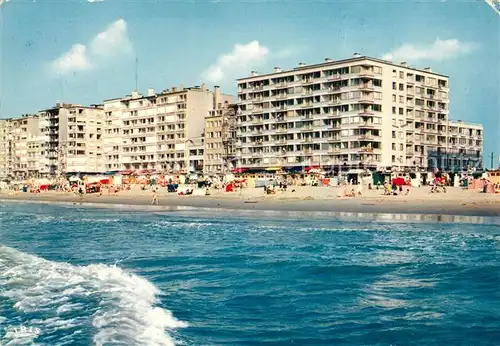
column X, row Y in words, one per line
column 73, row 139
column 18, row 139
column 4, row 149
column 220, row 137
column 156, row 131
column 358, row 112
column 459, row 147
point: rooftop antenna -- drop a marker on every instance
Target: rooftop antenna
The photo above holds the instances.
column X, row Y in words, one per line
column 494, row 4
column 136, row 72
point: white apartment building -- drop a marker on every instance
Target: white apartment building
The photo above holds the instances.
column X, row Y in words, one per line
column 156, row 131
column 459, row 147
column 358, row 112
column 220, row 138
column 73, row 139
column 4, row 149
column 18, row 157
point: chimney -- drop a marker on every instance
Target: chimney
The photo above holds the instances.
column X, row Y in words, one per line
column 151, row 92
column 428, row 69
column 302, row 64
column 181, row 87
column 254, row 73
column 277, row 69
column 203, row 86
column 328, row 60
column 216, row 96
column 174, row 89
column 404, row 63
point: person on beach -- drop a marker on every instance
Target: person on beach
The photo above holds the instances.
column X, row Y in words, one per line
column 155, row 198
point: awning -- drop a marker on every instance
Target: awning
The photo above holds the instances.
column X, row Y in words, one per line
column 145, row 171
column 111, row 173
column 126, row 172
column 239, row 170
column 311, row 168
column 273, row 169
column 293, row 169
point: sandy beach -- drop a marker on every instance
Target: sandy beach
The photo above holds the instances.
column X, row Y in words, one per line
column 455, row 201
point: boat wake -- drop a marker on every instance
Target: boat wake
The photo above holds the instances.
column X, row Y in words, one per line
column 72, row 304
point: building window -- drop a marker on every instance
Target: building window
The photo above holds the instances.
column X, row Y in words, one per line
column 393, row 85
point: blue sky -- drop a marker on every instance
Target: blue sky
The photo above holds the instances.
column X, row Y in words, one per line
column 83, row 52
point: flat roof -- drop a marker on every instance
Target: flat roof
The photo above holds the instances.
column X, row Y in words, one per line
column 461, row 122
column 70, row 105
column 336, row 62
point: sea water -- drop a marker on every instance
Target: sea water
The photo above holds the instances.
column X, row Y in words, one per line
column 72, row 275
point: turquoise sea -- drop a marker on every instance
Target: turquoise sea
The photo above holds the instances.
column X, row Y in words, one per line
column 75, row 275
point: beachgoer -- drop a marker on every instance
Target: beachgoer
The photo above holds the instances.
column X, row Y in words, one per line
column 155, row 198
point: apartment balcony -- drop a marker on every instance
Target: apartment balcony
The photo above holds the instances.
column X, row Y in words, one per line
column 366, row 74
column 366, row 100
column 365, row 125
column 368, row 150
column 307, row 140
column 309, row 80
column 365, row 86
column 281, row 96
column 366, row 113
column 334, row 77
column 307, row 105
column 368, row 137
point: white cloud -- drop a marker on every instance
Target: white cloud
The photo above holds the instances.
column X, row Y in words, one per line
column 112, row 41
column 74, row 60
column 106, row 45
column 242, row 58
column 438, row 51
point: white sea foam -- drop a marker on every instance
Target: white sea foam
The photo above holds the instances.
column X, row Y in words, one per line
column 123, row 310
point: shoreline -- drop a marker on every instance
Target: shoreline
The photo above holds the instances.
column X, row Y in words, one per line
column 368, row 205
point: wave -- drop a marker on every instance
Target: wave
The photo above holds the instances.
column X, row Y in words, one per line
column 121, row 306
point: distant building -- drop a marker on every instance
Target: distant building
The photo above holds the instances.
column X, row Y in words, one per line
column 73, row 139
column 155, row 131
column 460, row 147
column 4, row 148
column 359, row 112
column 220, row 138
column 21, row 148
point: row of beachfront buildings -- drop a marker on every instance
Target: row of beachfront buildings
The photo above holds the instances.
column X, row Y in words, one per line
column 359, row 112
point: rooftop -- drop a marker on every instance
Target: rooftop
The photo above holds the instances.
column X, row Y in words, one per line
column 330, row 62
